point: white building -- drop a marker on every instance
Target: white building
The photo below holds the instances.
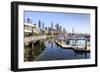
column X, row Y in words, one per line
column 30, row 29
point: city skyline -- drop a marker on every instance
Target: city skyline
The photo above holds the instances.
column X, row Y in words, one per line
column 80, row 22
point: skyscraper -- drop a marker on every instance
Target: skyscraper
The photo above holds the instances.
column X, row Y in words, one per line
column 51, row 25
column 39, row 24
column 43, row 25
column 29, row 20
column 57, row 27
column 64, row 30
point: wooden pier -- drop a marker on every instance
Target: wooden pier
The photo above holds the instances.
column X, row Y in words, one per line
column 27, row 40
column 75, row 48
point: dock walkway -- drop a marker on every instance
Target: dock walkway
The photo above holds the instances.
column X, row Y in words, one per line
column 33, row 38
column 76, row 48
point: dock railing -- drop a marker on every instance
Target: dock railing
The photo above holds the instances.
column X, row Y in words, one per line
column 33, row 38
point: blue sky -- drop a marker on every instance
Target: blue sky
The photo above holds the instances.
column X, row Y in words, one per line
column 79, row 21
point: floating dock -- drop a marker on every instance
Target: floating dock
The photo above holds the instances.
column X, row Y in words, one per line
column 62, row 44
column 75, row 48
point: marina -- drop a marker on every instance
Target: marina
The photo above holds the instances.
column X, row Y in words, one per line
column 55, row 50
column 55, row 39
column 76, row 48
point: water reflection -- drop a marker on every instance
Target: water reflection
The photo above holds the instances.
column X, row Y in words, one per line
column 55, row 52
column 49, row 50
column 33, row 50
